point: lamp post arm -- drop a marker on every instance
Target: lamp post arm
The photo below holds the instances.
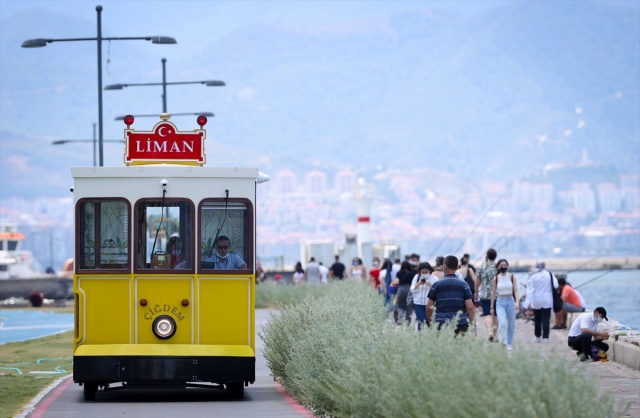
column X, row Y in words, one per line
column 157, row 84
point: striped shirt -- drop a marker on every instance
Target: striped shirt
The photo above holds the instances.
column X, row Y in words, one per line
column 449, row 295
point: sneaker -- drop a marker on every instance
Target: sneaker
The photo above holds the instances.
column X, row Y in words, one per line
column 583, row 357
column 545, row 341
column 556, row 327
column 537, row 340
column 490, row 338
column 509, row 347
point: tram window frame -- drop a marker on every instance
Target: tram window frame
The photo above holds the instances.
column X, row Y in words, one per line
column 186, row 234
column 90, row 252
column 247, row 240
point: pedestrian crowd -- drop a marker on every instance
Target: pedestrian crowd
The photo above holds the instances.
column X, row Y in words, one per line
column 417, row 293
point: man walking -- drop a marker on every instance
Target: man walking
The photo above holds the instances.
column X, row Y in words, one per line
column 337, row 269
column 451, row 296
column 483, row 286
column 540, row 284
column 312, row 272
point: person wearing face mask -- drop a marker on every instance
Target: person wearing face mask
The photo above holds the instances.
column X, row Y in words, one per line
column 357, row 271
column 374, row 274
column 584, row 333
column 505, row 295
column 224, row 259
column 420, row 286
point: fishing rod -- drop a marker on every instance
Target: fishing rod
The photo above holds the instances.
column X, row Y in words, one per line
column 594, row 279
column 445, row 237
column 585, row 263
column 522, row 227
column 476, row 225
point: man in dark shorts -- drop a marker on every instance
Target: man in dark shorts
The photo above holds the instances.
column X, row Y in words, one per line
column 484, row 284
column 337, row 269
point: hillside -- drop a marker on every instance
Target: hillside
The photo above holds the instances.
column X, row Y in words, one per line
column 475, row 95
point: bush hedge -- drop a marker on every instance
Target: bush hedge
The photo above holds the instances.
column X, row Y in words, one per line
column 336, row 354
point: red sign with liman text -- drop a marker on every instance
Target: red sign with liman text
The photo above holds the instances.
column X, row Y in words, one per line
column 164, row 144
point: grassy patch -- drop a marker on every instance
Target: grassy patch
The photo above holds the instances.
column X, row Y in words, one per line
column 19, row 360
column 337, row 355
column 270, row 295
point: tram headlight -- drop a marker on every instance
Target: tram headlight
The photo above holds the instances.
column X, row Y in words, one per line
column 164, row 327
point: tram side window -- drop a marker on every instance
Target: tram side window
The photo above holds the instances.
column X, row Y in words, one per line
column 226, row 241
column 104, row 232
column 165, row 230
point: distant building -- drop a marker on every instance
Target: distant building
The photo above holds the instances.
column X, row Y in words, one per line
column 316, row 182
column 609, row 197
column 583, row 198
column 345, row 180
column 286, row 181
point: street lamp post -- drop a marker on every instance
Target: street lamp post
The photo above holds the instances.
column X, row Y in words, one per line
column 164, row 84
column 66, row 141
column 40, row 42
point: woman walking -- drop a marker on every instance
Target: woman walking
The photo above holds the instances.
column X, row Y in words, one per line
column 420, row 286
column 506, row 303
column 405, row 275
column 357, row 271
column 298, row 274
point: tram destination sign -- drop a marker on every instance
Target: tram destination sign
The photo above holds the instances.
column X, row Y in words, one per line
column 164, row 144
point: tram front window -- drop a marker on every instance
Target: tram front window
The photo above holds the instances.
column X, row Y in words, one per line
column 226, row 235
column 164, row 234
column 104, row 234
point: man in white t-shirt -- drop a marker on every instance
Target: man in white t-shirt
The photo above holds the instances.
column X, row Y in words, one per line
column 584, row 333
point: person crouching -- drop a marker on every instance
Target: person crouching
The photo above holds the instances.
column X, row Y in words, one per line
column 584, row 333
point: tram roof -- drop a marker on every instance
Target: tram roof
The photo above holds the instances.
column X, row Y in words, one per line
column 172, row 170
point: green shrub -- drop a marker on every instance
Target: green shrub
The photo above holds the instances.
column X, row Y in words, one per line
column 271, row 295
column 337, row 355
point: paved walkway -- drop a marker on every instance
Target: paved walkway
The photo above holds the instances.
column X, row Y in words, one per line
column 621, row 380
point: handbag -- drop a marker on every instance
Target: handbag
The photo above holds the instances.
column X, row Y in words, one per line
column 409, row 298
column 557, row 300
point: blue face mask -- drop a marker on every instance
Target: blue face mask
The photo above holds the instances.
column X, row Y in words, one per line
column 598, row 319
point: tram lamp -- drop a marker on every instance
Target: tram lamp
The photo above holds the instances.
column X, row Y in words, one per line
column 40, row 42
column 128, row 120
column 173, row 114
column 164, row 327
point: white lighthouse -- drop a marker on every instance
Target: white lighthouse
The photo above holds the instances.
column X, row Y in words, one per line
column 363, row 196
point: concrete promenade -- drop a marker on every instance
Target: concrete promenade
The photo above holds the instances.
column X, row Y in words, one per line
column 621, row 380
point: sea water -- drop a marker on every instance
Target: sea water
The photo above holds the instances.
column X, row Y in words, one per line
column 20, row 325
column 618, row 291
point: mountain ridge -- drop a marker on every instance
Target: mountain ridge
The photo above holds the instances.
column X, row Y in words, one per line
column 527, row 84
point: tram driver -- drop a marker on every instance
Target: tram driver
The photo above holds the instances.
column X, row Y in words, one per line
column 224, row 259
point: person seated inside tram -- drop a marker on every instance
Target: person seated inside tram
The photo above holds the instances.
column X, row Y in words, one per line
column 224, row 259
column 174, row 249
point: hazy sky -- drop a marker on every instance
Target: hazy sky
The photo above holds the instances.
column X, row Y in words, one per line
column 185, row 20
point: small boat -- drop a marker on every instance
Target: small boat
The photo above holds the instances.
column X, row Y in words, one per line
column 14, row 262
column 21, row 274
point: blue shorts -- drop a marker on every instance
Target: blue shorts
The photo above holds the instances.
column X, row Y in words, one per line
column 486, row 306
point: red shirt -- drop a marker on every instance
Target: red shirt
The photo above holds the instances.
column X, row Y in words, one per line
column 374, row 279
column 571, row 296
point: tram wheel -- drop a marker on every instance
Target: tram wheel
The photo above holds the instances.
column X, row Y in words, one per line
column 235, row 390
column 90, row 390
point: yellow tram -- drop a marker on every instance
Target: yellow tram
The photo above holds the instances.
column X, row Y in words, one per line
column 164, row 275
